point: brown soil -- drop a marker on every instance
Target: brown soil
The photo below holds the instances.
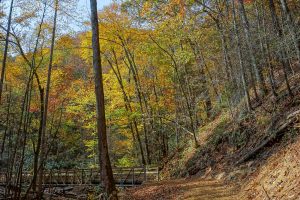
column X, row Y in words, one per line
column 183, row 189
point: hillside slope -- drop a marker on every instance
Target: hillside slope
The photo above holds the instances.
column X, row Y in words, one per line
column 256, row 157
column 278, row 178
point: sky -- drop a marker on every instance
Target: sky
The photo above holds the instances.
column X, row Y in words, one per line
column 83, row 7
column 101, row 3
column 85, row 4
column 76, row 22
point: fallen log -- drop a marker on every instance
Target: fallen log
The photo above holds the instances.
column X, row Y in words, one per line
column 290, row 119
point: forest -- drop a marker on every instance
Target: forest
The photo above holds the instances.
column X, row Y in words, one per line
column 150, row 99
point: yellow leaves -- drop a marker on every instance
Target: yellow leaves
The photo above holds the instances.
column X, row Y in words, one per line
column 85, row 47
column 14, row 74
column 146, row 8
column 181, row 5
column 90, row 145
column 114, row 17
column 65, row 41
column 123, row 144
column 175, row 8
column 184, row 57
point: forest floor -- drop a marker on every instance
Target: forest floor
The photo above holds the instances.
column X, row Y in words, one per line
column 183, row 189
column 213, row 171
column 277, row 179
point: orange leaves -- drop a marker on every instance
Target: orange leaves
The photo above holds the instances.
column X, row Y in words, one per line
column 248, row 1
column 181, row 5
column 175, row 8
column 146, row 8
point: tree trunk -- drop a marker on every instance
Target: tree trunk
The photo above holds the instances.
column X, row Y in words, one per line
column 266, row 46
column 5, row 49
column 141, row 97
column 258, row 73
column 45, row 113
column 105, row 166
column 133, row 125
column 241, row 62
column 291, row 26
column 7, row 128
column 282, row 53
column 182, row 90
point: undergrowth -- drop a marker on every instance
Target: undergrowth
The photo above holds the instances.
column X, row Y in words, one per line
column 226, row 139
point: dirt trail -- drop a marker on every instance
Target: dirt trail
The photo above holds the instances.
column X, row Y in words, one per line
column 278, row 178
column 183, row 189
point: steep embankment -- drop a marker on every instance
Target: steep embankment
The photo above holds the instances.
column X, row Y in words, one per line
column 253, row 156
column 278, row 178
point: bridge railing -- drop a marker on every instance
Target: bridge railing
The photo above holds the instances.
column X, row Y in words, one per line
column 122, row 175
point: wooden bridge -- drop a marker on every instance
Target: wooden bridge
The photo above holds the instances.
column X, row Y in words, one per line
column 124, row 176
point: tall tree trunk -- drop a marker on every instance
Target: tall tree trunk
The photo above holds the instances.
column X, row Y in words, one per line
column 240, row 57
column 200, row 64
column 133, row 125
column 258, row 72
column 141, row 97
column 105, row 166
column 226, row 56
column 45, row 113
column 182, row 90
column 265, row 57
column 266, row 46
column 282, row 53
column 160, row 132
column 26, row 125
column 7, row 127
column 5, row 49
column 291, row 26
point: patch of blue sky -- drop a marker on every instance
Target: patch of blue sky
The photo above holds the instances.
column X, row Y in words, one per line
column 83, row 9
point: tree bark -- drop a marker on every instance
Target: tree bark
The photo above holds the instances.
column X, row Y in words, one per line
column 279, row 36
column 132, row 123
column 140, row 95
column 45, row 109
column 105, row 166
column 241, row 62
column 7, row 128
column 291, row 26
column 6, row 49
column 258, row 73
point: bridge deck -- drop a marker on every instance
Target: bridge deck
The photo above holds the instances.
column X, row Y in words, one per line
column 124, row 176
